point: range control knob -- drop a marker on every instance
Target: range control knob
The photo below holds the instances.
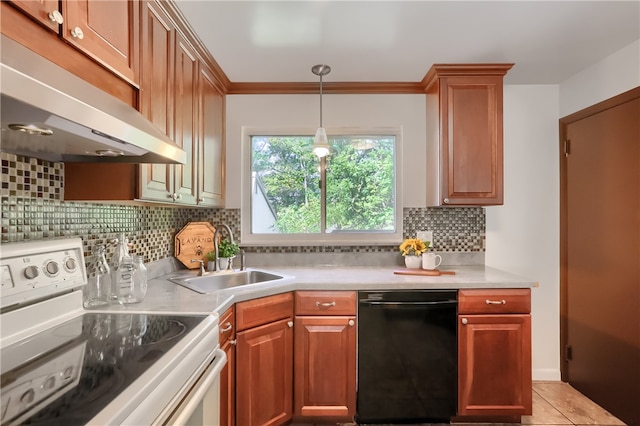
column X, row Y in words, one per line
column 70, row 264
column 51, row 268
column 30, row 272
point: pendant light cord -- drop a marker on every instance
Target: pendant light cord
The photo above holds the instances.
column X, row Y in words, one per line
column 320, row 100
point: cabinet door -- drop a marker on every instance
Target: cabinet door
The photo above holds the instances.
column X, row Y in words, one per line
column 211, row 136
column 494, row 365
column 264, row 374
column 228, row 385
column 157, row 94
column 325, row 368
column 471, row 137
column 186, row 78
column 105, row 30
column 228, row 374
column 40, row 10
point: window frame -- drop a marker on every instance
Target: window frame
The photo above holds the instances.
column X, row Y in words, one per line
column 352, row 238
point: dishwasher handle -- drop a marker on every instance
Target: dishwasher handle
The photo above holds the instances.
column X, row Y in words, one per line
column 409, row 304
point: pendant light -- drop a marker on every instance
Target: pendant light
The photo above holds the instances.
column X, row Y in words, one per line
column 320, row 141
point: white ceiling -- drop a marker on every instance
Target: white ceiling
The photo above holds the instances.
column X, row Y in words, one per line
column 397, row 41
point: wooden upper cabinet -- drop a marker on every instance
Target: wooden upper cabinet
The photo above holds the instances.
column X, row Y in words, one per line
column 210, row 141
column 108, row 31
column 185, row 113
column 157, row 94
column 45, row 12
column 28, row 23
column 464, row 128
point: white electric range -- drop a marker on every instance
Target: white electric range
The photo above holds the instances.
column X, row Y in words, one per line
column 62, row 364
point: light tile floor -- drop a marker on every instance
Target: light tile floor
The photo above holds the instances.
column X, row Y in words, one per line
column 557, row 403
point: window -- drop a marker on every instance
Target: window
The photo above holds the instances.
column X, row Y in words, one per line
column 292, row 197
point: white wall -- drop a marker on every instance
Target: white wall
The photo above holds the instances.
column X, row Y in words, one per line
column 611, row 76
column 523, row 234
column 296, row 111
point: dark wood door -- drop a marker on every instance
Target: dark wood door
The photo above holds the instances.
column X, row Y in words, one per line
column 600, row 251
column 325, row 368
column 264, row 370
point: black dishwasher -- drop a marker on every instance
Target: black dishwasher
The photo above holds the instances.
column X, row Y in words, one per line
column 407, row 356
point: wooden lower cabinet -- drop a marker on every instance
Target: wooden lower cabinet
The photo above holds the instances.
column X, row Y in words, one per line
column 325, row 368
column 494, row 353
column 228, row 373
column 325, row 356
column 264, row 361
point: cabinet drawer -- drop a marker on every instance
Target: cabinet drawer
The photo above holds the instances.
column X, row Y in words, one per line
column 494, row 301
column 325, row 302
column 253, row 313
column 227, row 325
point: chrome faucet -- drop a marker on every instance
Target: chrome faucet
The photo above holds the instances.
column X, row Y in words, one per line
column 202, row 271
column 216, row 266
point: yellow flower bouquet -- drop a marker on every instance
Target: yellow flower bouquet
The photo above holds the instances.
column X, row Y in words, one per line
column 413, row 247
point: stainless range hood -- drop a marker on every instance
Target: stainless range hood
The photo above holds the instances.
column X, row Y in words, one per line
column 51, row 114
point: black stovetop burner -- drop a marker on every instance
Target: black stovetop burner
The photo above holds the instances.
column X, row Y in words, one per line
column 74, row 370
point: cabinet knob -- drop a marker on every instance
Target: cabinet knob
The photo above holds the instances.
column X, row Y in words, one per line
column 77, row 33
column 201, row 199
column 352, row 323
column 464, row 320
column 446, row 201
column 55, row 17
column 179, row 197
column 290, row 324
column 233, row 342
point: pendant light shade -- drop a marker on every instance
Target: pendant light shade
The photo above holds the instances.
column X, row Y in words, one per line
column 320, row 141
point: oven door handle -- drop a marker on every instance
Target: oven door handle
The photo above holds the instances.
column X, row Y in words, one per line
column 196, row 395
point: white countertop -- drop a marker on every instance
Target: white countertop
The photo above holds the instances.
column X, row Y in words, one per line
column 166, row 296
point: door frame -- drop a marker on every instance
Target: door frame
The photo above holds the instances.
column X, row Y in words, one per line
column 563, row 124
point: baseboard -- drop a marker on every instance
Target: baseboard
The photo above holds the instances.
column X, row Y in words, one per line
column 546, row 374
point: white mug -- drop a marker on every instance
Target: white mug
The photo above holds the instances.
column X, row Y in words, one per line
column 431, row 260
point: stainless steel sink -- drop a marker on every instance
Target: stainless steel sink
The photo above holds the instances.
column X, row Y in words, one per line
column 222, row 280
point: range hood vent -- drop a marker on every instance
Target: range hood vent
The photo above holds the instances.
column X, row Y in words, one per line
column 51, row 114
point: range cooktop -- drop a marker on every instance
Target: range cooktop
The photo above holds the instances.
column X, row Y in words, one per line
column 70, row 372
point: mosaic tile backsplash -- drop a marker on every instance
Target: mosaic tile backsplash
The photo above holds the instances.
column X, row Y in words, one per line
column 33, row 209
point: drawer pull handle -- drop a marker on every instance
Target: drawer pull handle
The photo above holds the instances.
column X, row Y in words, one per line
column 227, row 327
column 325, row 304
column 496, row 302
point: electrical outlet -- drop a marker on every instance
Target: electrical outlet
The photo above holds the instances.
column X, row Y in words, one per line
column 425, row 236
